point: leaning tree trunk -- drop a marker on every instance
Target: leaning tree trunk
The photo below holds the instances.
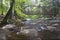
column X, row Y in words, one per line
column 8, row 15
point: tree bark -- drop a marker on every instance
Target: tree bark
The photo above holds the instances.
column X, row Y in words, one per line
column 8, row 15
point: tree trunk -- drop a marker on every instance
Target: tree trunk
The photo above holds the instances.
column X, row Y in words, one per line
column 8, row 15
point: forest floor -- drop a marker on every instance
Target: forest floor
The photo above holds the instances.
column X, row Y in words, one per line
column 38, row 25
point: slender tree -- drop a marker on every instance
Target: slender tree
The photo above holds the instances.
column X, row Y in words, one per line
column 8, row 15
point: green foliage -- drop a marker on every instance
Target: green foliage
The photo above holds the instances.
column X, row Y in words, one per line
column 21, row 5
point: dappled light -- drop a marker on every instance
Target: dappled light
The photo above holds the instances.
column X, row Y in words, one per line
column 29, row 19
